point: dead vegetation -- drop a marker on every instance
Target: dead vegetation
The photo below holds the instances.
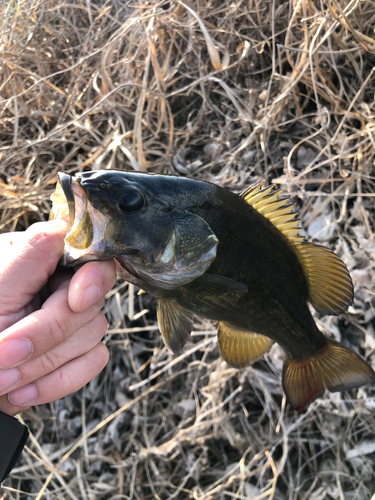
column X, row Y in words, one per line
column 228, row 92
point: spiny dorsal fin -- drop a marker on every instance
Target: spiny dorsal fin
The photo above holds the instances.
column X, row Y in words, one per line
column 175, row 324
column 328, row 280
column 266, row 202
column 238, row 347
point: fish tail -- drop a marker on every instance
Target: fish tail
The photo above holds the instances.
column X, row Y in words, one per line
column 333, row 367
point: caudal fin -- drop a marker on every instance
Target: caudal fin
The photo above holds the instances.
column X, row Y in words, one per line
column 334, row 368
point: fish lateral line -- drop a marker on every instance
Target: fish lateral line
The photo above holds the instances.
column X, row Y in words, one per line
column 208, row 280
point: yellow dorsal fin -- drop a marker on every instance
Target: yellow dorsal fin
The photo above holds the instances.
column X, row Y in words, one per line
column 328, row 280
column 266, row 202
column 238, row 347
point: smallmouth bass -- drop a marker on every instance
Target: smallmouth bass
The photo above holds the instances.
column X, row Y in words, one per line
column 237, row 260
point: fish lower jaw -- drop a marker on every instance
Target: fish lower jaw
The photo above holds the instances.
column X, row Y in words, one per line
column 74, row 256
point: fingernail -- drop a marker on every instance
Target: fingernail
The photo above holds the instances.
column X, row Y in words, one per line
column 13, row 352
column 23, row 396
column 89, row 297
column 8, row 379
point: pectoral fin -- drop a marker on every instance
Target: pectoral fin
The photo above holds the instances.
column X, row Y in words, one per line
column 175, row 324
column 334, row 368
column 239, row 348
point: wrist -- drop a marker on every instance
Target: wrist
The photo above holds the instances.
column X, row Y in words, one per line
column 13, row 437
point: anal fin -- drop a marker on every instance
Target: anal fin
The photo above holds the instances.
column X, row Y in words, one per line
column 240, row 348
column 334, row 368
column 175, row 324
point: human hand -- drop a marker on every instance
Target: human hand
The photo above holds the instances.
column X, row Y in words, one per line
column 51, row 324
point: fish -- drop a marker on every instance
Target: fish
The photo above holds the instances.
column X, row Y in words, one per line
column 238, row 260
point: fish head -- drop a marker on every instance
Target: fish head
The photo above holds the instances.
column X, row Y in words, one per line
column 119, row 215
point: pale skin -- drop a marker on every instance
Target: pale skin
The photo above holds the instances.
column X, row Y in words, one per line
column 51, row 324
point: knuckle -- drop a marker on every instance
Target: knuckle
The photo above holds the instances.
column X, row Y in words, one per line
column 67, row 381
column 58, row 329
column 47, row 363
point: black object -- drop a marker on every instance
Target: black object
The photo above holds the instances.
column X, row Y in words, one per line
column 13, row 437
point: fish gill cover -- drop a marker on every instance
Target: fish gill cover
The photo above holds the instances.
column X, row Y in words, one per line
column 226, row 92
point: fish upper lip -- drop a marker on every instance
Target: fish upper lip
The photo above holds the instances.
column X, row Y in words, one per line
column 66, row 185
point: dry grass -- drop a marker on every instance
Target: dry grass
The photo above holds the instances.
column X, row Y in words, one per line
column 227, row 92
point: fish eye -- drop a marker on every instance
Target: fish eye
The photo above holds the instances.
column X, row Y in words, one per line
column 131, row 200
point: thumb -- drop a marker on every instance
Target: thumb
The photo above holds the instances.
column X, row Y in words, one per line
column 28, row 260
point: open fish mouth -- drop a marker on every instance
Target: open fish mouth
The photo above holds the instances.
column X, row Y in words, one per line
column 85, row 237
